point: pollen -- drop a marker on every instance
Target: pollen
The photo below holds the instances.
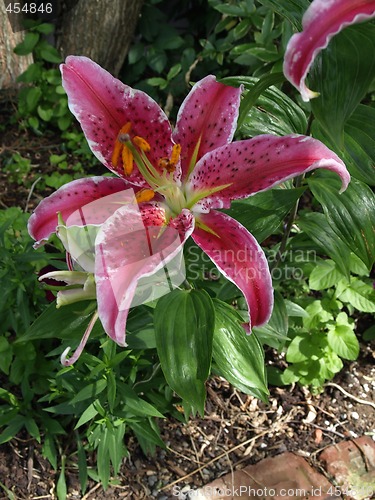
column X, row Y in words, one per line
column 169, row 164
column 175, row 156
column 127, row 160
column 142, row 144
column 144, row 195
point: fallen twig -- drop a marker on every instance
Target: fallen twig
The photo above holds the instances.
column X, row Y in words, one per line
column 361, row 401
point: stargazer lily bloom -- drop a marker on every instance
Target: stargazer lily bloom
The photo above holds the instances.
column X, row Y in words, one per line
column 181, row 178
column 321, row 21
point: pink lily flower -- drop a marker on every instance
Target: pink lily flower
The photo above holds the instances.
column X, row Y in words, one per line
column 180, row 179
column 321, row 21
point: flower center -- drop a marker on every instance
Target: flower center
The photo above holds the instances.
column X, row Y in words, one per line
column 134, row 150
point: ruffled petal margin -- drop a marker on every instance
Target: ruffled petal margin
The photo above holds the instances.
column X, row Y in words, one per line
column 103, row 105
column 258, row 164
column 322, row 20
column 207, row 119
column 71, row 198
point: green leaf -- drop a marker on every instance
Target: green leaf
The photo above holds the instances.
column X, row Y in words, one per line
column 50, row 54
column 238, row 357
column 343, row 342
column 45, row 28
column 67, row 322
column 89, row 391
column 174, row 71
column 87, row 415
column 359, row 144
column 28, row 44
column 265, row 109
column 82, row 463
column 263, row 213
column 360, row 295
column 316, row 226
column 184, row 323
column 324, row 275
column 61, row 488
column 147, row 435
column 316, row 316
column 275, row 332
column 301, row 349
column 49, row 450
column 103, row 461
column 369, row 334
column 45, row 114
column 292, row 10
column 342, row 74
column 116, row 448
column 294, row 310
column 351, row 214
column 138, row 406
column 32, row 98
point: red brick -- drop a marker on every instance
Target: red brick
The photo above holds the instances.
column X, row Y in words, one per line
column 269, row 479
column 351, row 464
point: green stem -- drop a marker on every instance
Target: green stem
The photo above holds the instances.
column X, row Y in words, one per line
column 289, row 225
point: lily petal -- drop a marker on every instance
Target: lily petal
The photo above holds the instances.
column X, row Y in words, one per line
column 239, row 257
column 130, row 246
column 258, row 164
column 70, row 198
column 322, row 20
column 103, row 105
column 207, row 118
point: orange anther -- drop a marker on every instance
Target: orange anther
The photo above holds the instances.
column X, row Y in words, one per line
column 144, row 195
column 142, row 144
column 125, row 129
column 116, row 153
column 175, row 156
column 127, row 160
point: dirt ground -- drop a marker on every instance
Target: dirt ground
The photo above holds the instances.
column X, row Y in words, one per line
column 237, row 430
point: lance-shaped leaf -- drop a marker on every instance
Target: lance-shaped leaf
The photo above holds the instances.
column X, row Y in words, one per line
column 238, row 357
column 184, row 324
column 351, row 214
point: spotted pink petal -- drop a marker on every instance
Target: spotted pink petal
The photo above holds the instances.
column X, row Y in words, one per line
column 239, row 257
column 258, row 164
column 209, row 114
column 102, row 104
column 133, row 244
column 322, row 20
column 70, row 198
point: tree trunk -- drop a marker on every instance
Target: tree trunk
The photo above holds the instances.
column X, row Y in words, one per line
column 99, row 29
column 11, row 65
